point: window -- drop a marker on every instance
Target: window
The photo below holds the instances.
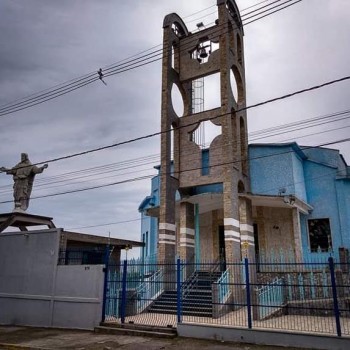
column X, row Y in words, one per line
column 205, row 162
column 320, row 235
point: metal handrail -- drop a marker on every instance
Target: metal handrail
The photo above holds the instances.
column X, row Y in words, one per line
column 187, row 286
column 149, row 290
column 223, row 285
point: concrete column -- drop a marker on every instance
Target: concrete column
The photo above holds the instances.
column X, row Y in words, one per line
column 187, row 232
column 187, row 237
column 233, row 242
column 166, row 227
column 231, row 224
column 246, row 229
column 166, row 242
column 248, row 247
column 298, row 247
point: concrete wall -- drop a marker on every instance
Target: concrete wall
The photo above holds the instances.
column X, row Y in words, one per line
column 263, row 337
column 298, row 175
column 78, row 296
column 35, row 291
column 276, row 232
column 271, row 169
column 343, row 195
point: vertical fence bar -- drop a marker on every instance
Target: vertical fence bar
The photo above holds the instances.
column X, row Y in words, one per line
column 301, row 286
column 325, row 284
column 105, row 283
column 178, row 288
column 123, row 304
column 247, row 285
column 290, row 289
column 335, row 297
column 312, row 285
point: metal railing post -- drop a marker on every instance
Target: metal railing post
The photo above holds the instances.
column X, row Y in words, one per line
column 105, row 283
column 123, row 303
column 178, row 288
column 247, row 285
column 335, row 297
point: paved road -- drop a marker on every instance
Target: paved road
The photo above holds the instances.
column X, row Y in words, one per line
column 50, row 339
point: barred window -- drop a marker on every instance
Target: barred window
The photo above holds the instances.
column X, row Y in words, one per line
column 320, row 235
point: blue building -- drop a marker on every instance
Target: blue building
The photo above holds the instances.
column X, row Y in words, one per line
column 300, row 206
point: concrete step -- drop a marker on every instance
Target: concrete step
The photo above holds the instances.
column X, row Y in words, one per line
column 146, row 327
column 138, row 330
column 184, row 312
column 194, row 308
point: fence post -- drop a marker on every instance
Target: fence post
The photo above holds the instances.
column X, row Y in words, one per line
column 123, row 304
column 335, row 297
column 247, row 285
column 178, row 289
column 105, row 282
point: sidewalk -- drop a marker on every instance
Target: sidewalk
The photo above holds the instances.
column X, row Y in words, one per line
column 40, row 338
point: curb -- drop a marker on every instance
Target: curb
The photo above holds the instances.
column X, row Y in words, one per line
column 6, row 346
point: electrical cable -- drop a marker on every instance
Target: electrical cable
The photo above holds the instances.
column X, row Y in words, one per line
column 269, row 9
column 252, row 6
column 106, row 224
column 182, row 171
column 269, row 14
column 192, row 42
column 286, row 96
column 144, row 137
column 133, row 163
column 242, row 16
column 33, row 101
column 263, row 191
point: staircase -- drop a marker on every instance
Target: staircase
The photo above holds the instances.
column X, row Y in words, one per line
column 136, row 330
column 196, row 296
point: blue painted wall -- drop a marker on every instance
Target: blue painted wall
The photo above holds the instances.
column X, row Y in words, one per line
column 321, row 192
column 343, row 196
column 318, row 176
column 149, row 225
column 275, row 167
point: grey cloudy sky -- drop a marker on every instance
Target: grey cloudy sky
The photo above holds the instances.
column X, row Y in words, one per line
column 47, row 42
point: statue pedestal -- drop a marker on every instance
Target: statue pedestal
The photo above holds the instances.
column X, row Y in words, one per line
column 22, row 220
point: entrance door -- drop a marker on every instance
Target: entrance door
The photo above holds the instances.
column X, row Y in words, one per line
column 222, row 251
column 256, row 240
column 256, row 243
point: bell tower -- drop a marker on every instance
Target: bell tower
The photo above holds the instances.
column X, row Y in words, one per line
column 187, row 169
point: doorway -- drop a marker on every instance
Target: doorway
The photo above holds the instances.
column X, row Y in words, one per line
column 222, row 250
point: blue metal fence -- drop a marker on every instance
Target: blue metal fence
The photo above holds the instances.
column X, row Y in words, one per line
column 270, row 298
column 312, row 297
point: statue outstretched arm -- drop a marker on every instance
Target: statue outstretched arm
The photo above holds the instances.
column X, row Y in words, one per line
column 38, row 170
column 7, row 171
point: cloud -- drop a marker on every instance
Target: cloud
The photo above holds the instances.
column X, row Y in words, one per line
column 44, row 43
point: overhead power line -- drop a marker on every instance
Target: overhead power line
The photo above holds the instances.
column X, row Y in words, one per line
column 144, row 137
column 105, row 224
column 268, row 101
column 252, row 6
column 62, row 89
column 310, row 178
column 182, row 171
column 271, row 13
column 242, row 15
column 93, row 173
